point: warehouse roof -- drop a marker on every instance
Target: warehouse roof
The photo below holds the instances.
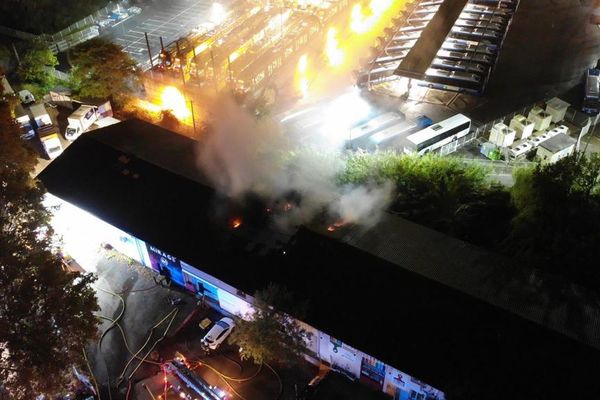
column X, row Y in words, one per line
column 430, row 305
column 420, row 56
column 558, row 143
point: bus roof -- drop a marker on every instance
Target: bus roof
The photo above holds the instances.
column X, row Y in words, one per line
column 432, row 130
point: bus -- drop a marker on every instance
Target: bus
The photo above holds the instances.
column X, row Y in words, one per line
column 467, row 46
column 360, row 133
column 467, row 33
column 591, row 99
column 379, row 74
column 435, row 136
column 396, row 48
column 464, row 56
column 467, row 23
column 464, row 66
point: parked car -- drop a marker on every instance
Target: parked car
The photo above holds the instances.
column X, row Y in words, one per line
column 218, row 333
column 26, row 97
column 134, row 10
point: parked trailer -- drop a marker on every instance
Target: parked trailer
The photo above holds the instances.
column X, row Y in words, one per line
column 40, row 115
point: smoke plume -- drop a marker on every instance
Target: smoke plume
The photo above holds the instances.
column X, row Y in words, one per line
column 242, row 154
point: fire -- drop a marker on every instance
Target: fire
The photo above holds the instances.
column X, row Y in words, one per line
column 357, row 20
column 301, row 75
column 336, row 225
column 236, row 223
column 359, row 23
column 334, row 54
column 172, row 99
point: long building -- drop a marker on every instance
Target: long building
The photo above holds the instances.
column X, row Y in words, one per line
column 402, row 308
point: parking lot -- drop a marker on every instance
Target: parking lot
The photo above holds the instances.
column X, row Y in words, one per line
column 167, row 19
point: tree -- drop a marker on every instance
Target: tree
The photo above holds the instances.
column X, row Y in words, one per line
column 270, row 334
column 102, row 69
column 37, row 63
column 558, row 215
column 46, row 314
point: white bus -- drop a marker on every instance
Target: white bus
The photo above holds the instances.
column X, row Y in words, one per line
column 360, row 134
column 437, row 135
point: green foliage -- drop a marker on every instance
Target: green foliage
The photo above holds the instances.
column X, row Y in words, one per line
column 36, row 63
column 46, row 314
column 102, row 69
column 556, row 227
column 269, row 334
column 429, row 189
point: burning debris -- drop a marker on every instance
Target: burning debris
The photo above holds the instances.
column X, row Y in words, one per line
column 243, row 156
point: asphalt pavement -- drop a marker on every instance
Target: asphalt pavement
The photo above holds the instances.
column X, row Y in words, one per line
column 170, row 20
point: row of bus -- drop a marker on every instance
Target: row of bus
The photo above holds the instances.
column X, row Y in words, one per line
column 466, row 57
column 416, row 137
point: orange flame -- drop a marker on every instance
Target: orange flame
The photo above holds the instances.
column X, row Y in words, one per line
column 236, row 223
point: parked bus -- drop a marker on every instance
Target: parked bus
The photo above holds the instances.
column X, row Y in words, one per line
column 468, row 23
column 376, row 75
column 467, row 46
column 467, row 33
column 464, row 56
column 496, row 19
column 387, row 136
column 459, row 81
column 435, row 136
column 360, row 134
column 464, row 66
column 397, row 47
column 391, row 58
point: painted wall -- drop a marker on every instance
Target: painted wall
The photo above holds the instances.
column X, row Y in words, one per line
column 84, row 232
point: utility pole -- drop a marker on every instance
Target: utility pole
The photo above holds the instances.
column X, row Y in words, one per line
column 179, row 56
column 149, row 52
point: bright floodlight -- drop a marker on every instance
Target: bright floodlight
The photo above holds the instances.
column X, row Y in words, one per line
column 341, row 114
column 217, row 13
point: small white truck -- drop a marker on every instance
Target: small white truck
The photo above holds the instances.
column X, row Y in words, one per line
column 85, row 116
column 80, row 121
column 23, row 119
column 48, row 135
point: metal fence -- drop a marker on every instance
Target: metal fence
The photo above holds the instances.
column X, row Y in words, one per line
column 80, row 31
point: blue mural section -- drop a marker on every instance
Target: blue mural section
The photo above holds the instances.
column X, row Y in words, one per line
column 194, row 283
column 166, row 265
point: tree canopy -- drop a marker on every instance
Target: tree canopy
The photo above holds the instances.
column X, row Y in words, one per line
column 36, row 63
column 269, row 334
column 102, row 69
column 46, row 314
column 558, row 218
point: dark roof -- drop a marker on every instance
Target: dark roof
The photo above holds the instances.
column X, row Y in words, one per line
column 399, row 292
column 558, row 143
column 420, row 56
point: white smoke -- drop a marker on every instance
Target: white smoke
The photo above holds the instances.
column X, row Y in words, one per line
column 363, row 204
column 243, row 154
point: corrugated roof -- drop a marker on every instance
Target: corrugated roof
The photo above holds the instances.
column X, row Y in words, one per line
column 428, row 304
column 420, row 56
